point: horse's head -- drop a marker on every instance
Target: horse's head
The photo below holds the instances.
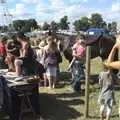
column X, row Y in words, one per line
column 105, row 46
column 65, row 42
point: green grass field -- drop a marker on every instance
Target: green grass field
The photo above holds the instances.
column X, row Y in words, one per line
column 63, row 104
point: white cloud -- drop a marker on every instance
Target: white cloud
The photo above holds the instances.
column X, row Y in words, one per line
column 116, row 7
column 48, row 10
column 20, row 9
column 20, row 12
column 74, row 1
column 85, row 0
column 30, row 1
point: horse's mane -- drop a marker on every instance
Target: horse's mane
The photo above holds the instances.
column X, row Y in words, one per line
column 91, row 40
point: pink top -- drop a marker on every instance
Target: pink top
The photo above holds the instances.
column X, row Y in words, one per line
column 79, row 50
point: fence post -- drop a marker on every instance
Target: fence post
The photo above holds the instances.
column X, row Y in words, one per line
column 88, row 56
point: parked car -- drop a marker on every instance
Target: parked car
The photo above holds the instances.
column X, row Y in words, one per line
column 97, row 31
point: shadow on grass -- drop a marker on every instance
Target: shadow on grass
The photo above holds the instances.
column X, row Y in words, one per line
column 69, row 95
column 55, row 109
column 66, row 76
column 74, row 102
column 98, row 118
column 94, row 117
column 94, row 79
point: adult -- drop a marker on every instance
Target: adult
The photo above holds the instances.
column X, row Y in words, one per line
column 50, row 60
column 12, row 53
column 110, row 62
column 3, row 52
column 26, row 60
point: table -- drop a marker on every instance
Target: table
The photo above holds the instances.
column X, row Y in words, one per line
column 21, row 87
column 12, row 82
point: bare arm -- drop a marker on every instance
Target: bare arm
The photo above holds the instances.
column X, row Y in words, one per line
column 112, row 54
column 110, row 63
column 24, row 50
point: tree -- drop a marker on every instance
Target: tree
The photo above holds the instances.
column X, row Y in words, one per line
column 82, row 24
column 46, row 26
column 104, row 25
column 109, row 26
column 32, row 23
column 64, row 24
column 114, row 26
column 97, row 20
column 54, row 26
column 18, row 25
column 25, row 25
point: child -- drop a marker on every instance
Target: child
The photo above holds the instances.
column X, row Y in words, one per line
column 77, row 64
column 79, row 51
column 106, row 98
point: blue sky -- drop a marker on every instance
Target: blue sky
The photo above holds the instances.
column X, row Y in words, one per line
column 48, row 10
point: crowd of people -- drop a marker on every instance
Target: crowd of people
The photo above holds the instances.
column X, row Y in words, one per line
column 22, row 58
column 19, row 56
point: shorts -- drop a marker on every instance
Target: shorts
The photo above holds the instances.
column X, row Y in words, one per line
column 51, row 71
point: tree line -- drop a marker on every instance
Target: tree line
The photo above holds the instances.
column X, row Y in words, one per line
column 84, row 23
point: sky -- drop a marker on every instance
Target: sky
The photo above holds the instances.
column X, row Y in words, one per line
column 48, row 10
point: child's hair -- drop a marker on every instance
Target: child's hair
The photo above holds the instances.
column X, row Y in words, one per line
column 80, row 36
column 105, row 68
column 21, row 35
column 49, row 39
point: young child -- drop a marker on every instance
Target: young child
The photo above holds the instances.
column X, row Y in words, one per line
column 106, row 97
column 76, row 66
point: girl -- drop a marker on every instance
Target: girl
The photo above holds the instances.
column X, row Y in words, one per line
column 50, row 60
column 77, row 64
column 106, row 97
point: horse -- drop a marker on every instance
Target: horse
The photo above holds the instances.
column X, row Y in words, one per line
column 100, row 46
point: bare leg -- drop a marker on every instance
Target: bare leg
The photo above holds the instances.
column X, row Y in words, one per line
column 109, row 110
column 50, row 81
column 45, row 81
column 102, row 112
column 10, row 63
column 54, row 82
column 18, row 69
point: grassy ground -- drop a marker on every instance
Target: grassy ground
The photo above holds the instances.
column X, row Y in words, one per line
column 63, row 104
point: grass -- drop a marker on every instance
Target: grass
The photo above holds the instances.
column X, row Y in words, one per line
column 63, row 104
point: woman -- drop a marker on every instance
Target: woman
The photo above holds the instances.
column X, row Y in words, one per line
column 110, row 63
column 3, row 53
column 50, row 60
column 12, row 54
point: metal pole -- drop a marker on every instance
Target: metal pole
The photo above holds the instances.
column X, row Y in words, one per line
column 87, row 82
